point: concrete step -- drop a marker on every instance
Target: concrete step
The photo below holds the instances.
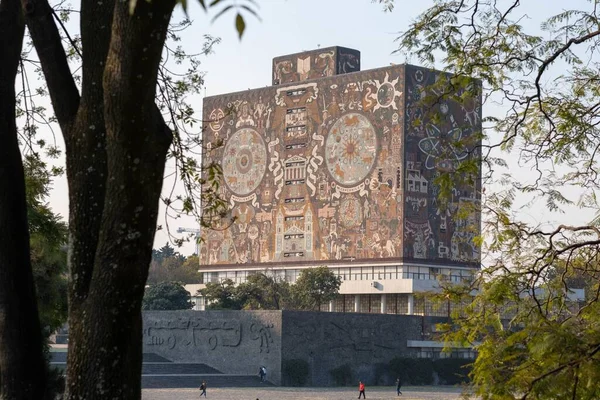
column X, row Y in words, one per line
column 151, row 357
column 61, row 357
column 194, row 381
column 167, row 369
column 170, row 368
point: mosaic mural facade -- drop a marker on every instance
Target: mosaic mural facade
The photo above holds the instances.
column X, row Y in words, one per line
column 314, row 64
column 339, row 168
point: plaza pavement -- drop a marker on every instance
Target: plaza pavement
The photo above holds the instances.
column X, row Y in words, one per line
column 287, row 393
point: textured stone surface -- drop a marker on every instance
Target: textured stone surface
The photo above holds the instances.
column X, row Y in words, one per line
column 365, row 342
column 233, row 342
column 238, row 342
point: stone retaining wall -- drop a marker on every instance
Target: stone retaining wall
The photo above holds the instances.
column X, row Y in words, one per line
column 238, row 342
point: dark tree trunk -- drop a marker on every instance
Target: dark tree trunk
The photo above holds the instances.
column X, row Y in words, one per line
column 22, row 364
column 116, row 142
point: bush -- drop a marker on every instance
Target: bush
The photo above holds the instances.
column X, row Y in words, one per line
column 295, row 372
column 452, row 371
column 342, row 375
column 412, row 371
column 56, row 384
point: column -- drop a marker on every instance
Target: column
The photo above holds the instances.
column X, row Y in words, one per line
column 357, row 303
column 411, row 304
column 383, row 303
column 330, row 305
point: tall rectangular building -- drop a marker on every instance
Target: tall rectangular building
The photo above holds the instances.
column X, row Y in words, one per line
column 336, row 166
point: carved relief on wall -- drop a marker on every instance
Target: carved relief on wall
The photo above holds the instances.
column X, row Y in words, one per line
column 207, row 334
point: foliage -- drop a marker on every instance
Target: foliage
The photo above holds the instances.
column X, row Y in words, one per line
column 413, row 371
column 167, row 265
column 166, row 296
column 222, row 295
column 315, row 286
column 295, row 372
column 264, row 291
column 452, row 371
column 165, row 252
column 56, row 384
column 541, row 83
column 48, row 236
column 117, row 122
column 261, row 291
column 342, row 375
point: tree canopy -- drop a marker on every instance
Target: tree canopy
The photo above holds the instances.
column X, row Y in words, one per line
column 540, row 89
column 316, row 286
column 266, row 291
column 166, row 296
column 169, row 265
column 121, row 114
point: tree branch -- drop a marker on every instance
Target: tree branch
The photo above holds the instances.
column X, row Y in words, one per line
column 48, row 44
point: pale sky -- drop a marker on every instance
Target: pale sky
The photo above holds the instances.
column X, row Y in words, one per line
column 290, row 26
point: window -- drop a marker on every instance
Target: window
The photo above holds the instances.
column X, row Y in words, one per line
column 297, row 92
column 338, row 304
column 295, row 164
column 291, row 275
column 294, row 254
column 295, row 146
column 294, row 182
column 294, row 236
column 344, row 273
column 298, row 128
column 295, row 110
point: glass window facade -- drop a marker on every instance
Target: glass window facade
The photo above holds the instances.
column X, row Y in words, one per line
column 396, row 303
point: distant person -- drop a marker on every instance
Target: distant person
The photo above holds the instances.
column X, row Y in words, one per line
column 261, row 373
column 361, row 390
column 398, row 386
column 264, row 369
column 203, row 388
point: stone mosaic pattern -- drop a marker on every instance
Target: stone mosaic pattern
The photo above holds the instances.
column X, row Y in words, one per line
column 337, row 169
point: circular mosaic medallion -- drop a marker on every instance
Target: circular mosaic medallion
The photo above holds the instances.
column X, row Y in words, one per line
column 350, row 213
column 350, row 149
column 244, row 161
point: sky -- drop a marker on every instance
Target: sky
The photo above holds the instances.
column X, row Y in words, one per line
column 290, row 26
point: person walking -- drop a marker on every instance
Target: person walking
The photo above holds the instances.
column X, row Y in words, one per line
column 361, row 390
column 203, row 388
column 262, row 373
column 398, row 386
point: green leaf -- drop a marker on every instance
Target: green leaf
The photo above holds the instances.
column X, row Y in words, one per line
column 240, row 25
column 183, row 5
column 251, row 11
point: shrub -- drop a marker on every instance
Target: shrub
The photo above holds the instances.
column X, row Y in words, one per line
column 295, row 372
column 413, row 371
column 342, row 375
column 452, row 371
